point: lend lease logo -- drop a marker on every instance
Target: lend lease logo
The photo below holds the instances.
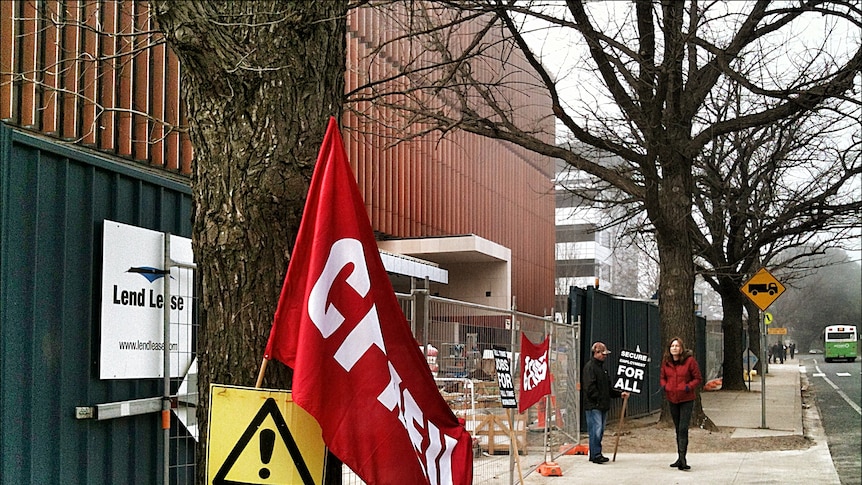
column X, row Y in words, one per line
column 134, row 285
column 152, row 297
column 148, row 272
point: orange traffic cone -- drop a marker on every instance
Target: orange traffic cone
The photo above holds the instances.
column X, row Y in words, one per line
column 542, row 421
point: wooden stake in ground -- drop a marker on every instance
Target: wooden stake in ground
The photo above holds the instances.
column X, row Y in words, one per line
column 620, row 428
column 514, row 442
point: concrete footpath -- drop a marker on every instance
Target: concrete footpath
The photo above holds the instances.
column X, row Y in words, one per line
column 741, row 410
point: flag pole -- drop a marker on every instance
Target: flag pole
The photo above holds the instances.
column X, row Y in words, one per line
column 620, row 428
column 549, row 468
column 260, row 374
column 548, row 397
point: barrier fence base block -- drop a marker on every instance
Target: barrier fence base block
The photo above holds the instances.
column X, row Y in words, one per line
column 550, row 469
column 569, row 449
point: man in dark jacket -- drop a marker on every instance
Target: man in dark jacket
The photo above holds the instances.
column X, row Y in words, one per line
column 596, row 385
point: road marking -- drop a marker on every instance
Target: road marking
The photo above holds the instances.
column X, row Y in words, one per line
column 818, row 374
column 842, row 374
column 838, row 390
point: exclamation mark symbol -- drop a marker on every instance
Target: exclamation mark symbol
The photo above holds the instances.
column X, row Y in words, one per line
column 267, row 443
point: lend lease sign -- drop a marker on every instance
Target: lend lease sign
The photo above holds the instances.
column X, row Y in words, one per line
column 133, row 303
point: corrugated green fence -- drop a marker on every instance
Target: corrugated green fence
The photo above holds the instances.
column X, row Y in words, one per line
column 53, row 201
column 631, row 324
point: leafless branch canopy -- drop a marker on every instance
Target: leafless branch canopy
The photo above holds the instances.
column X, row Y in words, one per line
column 642, row 78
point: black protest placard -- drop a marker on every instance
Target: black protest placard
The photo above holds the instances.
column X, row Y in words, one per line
column 631, row 371
column 504, row 378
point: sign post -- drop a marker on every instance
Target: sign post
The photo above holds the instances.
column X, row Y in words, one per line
column 762, row 289
column 507, row 397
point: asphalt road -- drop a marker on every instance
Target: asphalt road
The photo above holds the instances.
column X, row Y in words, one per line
column 837, row 389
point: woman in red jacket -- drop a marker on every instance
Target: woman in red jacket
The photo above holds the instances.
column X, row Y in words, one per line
column 680, row 376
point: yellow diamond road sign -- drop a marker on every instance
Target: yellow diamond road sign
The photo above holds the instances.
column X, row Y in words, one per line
column 762, row 289
column 260, row 436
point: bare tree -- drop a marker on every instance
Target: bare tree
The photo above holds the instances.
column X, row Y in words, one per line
column 648, row 71
column 260, row 80
column 763, row 191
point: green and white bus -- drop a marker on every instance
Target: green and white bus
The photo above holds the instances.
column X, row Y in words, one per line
column 840, row 342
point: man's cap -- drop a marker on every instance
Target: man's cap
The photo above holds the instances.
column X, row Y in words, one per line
column 605, row 351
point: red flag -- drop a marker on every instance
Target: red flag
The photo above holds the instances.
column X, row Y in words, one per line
column 357, row 368
column 535, row 373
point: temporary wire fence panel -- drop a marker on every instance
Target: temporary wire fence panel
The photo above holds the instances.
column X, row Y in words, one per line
column 183, row 434
column 458, row 339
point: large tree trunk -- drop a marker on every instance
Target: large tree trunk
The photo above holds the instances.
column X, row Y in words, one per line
column 671, row 217
column 260, row 79
column 732, row 303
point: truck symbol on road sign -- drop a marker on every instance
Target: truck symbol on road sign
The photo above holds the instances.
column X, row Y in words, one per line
column 755, row 288
column 762, row 289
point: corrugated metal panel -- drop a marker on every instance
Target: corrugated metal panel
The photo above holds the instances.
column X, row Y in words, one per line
column 53, row 200
column 655, row 345
column 638, row 328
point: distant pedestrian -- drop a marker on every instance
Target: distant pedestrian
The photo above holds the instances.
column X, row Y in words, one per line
column 776, row 353
column 596, row 384
column 783, row 354
column 792, row 350
column 680, row 376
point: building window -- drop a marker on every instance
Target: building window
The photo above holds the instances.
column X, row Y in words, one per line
column 576, row 233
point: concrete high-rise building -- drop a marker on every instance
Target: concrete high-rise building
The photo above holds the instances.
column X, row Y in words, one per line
column 591, row 249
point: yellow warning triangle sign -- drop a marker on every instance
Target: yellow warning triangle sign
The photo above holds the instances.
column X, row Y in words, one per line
column 267, row 443
column 272, row 449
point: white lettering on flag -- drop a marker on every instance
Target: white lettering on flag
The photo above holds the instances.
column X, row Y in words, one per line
column 344, row 251
column 368, row 334
column 535, row 371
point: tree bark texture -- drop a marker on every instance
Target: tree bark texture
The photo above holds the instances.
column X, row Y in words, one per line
column 260, row 80
column 732, row 303
column 669, row 207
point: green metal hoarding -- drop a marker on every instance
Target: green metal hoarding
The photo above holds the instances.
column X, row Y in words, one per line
column 54, row 199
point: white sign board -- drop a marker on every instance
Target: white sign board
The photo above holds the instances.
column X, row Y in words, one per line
column 631, row 371
column 133, row 304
